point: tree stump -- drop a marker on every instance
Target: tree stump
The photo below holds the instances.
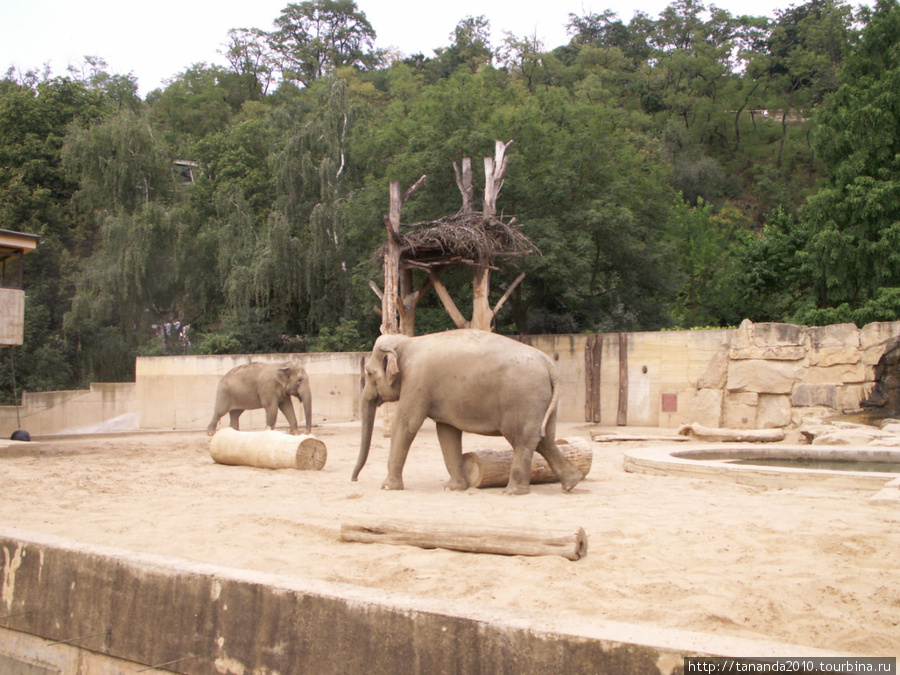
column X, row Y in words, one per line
column 457, row 537
column 267, row 450
column 490, row 468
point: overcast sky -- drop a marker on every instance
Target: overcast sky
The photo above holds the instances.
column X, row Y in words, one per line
column 158, row 39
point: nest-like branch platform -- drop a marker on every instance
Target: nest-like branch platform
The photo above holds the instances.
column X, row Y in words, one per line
column 462, row 239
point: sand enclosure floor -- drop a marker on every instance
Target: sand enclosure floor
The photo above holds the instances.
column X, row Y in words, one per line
column 807, row 566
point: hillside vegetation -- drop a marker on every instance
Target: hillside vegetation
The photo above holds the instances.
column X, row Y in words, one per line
column 686, row 170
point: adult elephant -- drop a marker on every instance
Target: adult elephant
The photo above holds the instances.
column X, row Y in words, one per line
column 465, row 380
column 263, row 385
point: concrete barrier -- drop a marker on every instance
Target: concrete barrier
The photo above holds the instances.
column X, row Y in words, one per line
column 139, row 610
column 178, row 392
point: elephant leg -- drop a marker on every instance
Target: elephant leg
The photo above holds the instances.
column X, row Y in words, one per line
column 235, row 415
column 287, row 409
column 520, row 473
column 567, row 473
column 402, row 436
column 450, row 439
column 211, row 429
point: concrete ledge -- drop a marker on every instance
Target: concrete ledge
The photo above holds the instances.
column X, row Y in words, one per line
column 708, row 462
column 150, row 609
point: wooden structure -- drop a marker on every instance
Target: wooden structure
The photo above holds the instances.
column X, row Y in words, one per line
column 13, row 247
column 479, row 240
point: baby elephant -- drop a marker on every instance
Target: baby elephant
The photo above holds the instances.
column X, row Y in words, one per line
column 263, row 385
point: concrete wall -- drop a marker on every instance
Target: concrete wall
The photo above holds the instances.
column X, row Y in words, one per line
column 119, row 611
column 178, row 392
column 658, row 364
column 53, row 411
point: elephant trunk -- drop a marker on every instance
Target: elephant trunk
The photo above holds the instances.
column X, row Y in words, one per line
column 367, row 413
column 306, row 400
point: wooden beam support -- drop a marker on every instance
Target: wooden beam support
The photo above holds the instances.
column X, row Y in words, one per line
column 447, row 300
column 622, row 413
column 376, row 290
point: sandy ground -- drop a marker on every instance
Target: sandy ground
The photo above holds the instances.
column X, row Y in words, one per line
column 807, row 566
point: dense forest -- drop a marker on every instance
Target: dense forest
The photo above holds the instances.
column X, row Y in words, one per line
column 688, row 170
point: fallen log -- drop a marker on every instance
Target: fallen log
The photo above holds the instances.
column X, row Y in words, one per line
column 490, row 468
column 267, row 450
column 612, row 436
column 716, row 435
column 456, row 537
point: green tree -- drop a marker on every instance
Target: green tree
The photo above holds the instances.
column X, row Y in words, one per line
column 193, row 105
column 252, row 59
column 767, row 272
column 129, row 285
column 704, row 241
column 120, row 90
column 119, row 163
column 805, row 51
column 315, row 38
column 853, row 255
column 35, row 192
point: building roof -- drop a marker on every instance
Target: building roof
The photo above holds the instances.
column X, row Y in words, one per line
column 17, row 242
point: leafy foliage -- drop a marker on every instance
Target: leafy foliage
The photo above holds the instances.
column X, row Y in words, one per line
column 686, row 170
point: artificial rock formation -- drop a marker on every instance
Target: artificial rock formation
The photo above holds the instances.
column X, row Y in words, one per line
column 774, row 375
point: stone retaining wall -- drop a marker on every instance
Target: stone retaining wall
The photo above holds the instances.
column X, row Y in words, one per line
column 775, row 375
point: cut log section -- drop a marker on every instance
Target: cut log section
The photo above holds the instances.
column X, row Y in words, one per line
column 267, row 450
column 456, row 537
column 716, row 435
column 490, row 468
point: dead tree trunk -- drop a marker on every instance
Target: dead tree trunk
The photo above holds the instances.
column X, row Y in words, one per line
column 482, row 312
column 493, row 177
column 398, row 300
column 464, row 183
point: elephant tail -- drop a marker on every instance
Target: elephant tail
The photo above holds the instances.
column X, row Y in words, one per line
column 554, row 400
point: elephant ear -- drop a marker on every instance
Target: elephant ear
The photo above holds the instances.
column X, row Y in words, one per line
column 391, row 366
column 283, row 376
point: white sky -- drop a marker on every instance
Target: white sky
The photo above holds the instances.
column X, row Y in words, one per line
column 159, row 39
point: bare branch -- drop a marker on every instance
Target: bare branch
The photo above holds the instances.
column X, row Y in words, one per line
column 512, row 287
column 414, row 188
column 464, row 183
column 376, row 290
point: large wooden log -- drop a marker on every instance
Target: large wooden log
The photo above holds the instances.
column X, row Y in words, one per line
column 717, row 435
column 457, row 537
column 267, row 449
column 604, row 436
column 490, row 468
